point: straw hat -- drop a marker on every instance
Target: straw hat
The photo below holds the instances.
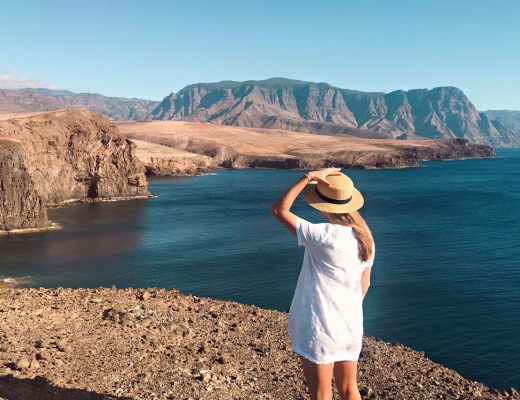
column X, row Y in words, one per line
column 339, row 197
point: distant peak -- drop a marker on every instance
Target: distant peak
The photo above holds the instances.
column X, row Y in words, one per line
column 270, row 82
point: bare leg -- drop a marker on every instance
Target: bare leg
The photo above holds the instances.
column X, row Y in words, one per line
column 318, row 378
column 345, row 374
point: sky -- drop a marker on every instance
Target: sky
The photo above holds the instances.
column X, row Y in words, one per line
column 150, row 48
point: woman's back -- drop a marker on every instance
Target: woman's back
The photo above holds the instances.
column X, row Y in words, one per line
column 326, row 316
column 332, row 250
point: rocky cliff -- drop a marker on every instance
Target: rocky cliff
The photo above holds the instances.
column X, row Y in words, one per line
column 57, row 157
column 443, row 112
column 181, row 148
column 64, row 344
column 21, row 207
column 116, row 108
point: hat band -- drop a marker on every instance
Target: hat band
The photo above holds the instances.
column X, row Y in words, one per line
column 328, row 199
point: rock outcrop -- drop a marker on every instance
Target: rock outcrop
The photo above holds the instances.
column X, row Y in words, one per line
column 58, row 157
column 34, row 100
column 21, row 207
column 161, row 160
column 197, row 147
column 61, row 344
column 443, row 112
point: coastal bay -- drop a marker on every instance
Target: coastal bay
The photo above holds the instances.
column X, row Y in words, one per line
column 445, row 237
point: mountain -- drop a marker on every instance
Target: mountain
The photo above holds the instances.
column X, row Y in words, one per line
column 116, row 108
column 443, row 112
column 505, row 120
column 439, row 113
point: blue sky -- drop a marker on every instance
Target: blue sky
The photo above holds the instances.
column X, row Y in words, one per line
column 150, row 48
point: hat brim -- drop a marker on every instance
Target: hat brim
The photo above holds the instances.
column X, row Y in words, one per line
column 314, row 200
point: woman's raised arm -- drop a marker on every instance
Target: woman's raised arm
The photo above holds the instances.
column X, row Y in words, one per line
column 281, row 208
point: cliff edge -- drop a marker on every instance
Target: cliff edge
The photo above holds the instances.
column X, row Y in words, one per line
column 57, row 157
column 157, row 344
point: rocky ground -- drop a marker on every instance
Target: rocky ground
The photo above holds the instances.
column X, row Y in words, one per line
column 158, row 344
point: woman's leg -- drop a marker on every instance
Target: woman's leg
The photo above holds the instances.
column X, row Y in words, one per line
column 345, row 374
column 318, row 378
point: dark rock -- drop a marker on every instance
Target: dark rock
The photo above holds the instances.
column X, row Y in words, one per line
column 21, row 207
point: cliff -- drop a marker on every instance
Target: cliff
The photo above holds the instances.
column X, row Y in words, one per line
column 443, row 112
column 21, row 207
column 53, row 158
column 174, row 147
column 63, row 344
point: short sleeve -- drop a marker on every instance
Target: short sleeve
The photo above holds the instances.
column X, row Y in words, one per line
column 310, row 234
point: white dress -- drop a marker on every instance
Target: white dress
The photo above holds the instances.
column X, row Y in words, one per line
column 326, row 315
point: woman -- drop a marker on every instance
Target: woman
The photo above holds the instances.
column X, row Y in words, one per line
column 326, row 317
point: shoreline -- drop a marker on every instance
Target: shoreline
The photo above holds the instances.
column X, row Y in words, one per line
column 211, row 170
column 53, row 227
column 170, row 345
column 99, row 200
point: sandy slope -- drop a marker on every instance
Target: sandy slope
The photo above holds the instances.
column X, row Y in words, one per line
column 238, row 147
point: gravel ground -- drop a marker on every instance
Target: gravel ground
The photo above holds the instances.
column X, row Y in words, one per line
column 156, row 344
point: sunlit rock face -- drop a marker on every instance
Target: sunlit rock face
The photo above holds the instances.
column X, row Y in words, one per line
column 52, row 158
column 439, row 113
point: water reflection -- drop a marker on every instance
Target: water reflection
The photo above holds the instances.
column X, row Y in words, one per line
column 93, row 234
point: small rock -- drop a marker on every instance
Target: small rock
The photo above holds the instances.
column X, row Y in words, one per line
column 221, row 360
column 34, row 365
column 367, row 392
column 22, row 363
column 62, row 346
column 43, row 355
column 146, row 295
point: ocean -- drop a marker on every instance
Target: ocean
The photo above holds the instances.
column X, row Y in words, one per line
column 445, row 280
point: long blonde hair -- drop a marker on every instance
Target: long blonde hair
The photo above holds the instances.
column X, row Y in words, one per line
column 361, row 229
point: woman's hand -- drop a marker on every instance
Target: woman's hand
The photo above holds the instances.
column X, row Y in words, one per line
column 281, row 208
column 321, row 174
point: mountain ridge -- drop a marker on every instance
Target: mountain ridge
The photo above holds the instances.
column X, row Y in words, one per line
column 441, row 112
column 116, row 108
column 297, row 105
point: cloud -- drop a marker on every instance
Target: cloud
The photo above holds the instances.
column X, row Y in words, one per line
column 11, row 79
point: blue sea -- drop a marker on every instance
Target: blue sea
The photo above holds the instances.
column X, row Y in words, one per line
column 446, row 279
